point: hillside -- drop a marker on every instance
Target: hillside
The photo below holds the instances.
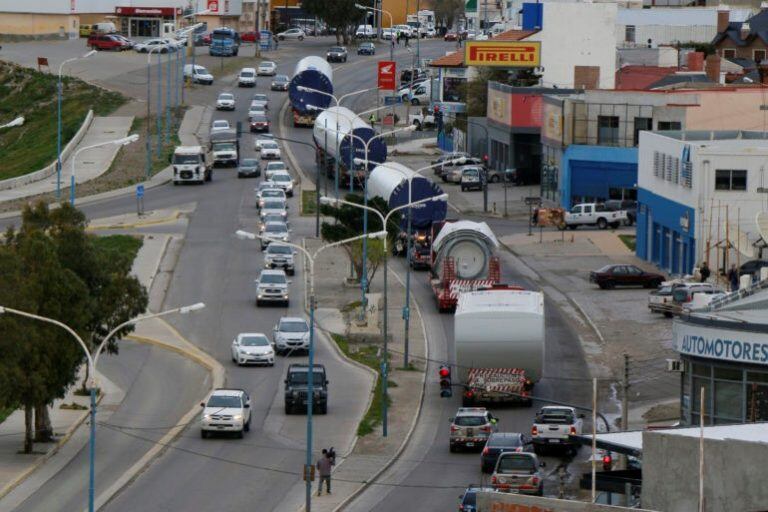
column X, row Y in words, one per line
column 29, row 93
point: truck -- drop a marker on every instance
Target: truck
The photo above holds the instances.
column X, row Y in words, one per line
column 462, row 260
column 310, row 73
column 422, row 119
column 593, row 214
column 225, row 147
column 499, row 344
column 225, row 42
column 191, row 164
column 421, row 22
column 553, row 427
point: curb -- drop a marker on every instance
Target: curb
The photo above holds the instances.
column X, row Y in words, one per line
column 217, row 377
column 140, row 224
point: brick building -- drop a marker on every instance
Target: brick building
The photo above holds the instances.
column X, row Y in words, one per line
column 742, row 39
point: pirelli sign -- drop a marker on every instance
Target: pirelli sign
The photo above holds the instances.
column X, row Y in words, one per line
column 503, row 54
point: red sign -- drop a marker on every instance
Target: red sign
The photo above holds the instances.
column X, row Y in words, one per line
column 213, row 5
column 387, row 75
column 146, row 11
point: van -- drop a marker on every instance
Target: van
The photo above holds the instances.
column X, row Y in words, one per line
column 104, row 28
column 198, row 74
column 365, row 32
column 420, row 94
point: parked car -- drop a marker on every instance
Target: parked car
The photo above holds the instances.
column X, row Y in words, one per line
column 627, row 205
column 471, row 428
column 291, row 333
column 452, row 164
column 365, row 32
column 249, row 168
column 518, row 472
column 107, row 42
column 198, row 74
column 270, row 150
column 660, row 299
column 246, row 78
column 259, row 123
column 85, row 30
column 252, row 348
column 448, row 156
column 130, row 43
column 267, row 68
column 250, row 36
column 593, row 214
column 500, row 442
column 226, row 410
column 272, row 285
column 683, row 294
column 225, row 101
column 292, row 33
column 472, row 178
column 611, row 276
column 752, row 268
column 336, row 54
column 280, row 83
column 166, row 45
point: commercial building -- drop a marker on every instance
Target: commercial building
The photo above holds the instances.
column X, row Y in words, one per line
column 699, row 194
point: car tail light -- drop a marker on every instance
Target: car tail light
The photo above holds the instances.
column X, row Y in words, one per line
column 485, row 451
column 485, row 429
column 494, row 480
column 573, row 430
column 534, row 430
column 454, row 429
column 535, row 480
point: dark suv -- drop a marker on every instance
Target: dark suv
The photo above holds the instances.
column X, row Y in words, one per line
column 296, row 388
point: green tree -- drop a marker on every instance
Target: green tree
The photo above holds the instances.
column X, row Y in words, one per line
column 338, row 14
column 448, row 12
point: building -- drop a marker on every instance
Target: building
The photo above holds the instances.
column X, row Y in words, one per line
column 699, row 194
column 400, row 9
column 742, row 39
column 483, row 14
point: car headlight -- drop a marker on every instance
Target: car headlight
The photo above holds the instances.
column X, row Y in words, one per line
column 206, row 417
column 237, row 417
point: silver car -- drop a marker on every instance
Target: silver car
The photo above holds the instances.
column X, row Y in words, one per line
column 267, row 68
column 273, row 167
column 276, row 206
column 290, row 334
column 270, row 193
column 280, row 256
column 272, row 286
column 518, row 472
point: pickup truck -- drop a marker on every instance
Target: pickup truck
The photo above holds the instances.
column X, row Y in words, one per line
column 593, row 214
column 553, row 426
column 421, row 120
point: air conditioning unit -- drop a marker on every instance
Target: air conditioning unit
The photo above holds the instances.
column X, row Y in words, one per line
column 674, row 365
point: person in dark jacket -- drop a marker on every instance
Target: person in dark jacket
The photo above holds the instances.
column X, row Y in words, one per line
column 324, row 466
column 733, row 278
column 704, row 272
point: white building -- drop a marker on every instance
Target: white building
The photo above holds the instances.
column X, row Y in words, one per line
column 699, row 195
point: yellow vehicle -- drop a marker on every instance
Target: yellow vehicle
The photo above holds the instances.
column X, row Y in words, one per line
column 85, row 30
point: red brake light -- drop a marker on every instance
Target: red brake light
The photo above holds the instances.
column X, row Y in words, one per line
column 534, row 431
column 573, row 430
column 454, row 429
column 493, row 479
column 485, row 451
column 607, row 461
column 535, row 480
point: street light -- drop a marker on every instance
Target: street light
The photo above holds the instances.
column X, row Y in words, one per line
column 311, row 257
column 149, row 102
column 92, row 373
column 391, row 23
column 59, row 95
column 117, row 142
column 338, row 100
column 384, row 221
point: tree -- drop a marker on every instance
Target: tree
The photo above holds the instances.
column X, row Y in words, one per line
column 338, row 14
column 350, row 224
column 448, row 11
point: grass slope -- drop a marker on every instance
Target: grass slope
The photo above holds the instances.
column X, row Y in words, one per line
column 29, row 93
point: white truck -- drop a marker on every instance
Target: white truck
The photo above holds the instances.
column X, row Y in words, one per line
column 553, row 427
column 225, row 147
column 191, row 164
column 423, row 119
column 593, row 214
column 499, row 344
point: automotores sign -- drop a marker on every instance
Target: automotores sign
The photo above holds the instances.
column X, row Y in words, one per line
column 503, row 54
column 719, row 343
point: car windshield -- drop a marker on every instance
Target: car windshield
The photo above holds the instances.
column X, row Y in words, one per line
column 249, row 162
column 273, row 192
column 470, row 421
column 201, row 71
column 186, row 159
column 221, row 124
column 254, row 341
column 225, row 146
column 337, row 49
column 301, row 378
column 269, row 145
column 258, row 118
column 276, row 228
column 226, row 97
column 272, row 279
column 265, row 185
column 664, row 290
column 224, row 401
column 515, row 463
column 266, row 64
column 260, row 97
column 280, row 78
column 281, row 177
column 274, row 205
column 504, row 441
column 470, row 499
column 279, row 249
column 471, row 172
column 275, row 166
column 293, row 327
column 246, row 74
column 603, row 270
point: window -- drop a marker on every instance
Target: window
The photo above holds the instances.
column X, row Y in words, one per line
column 607, row 130
column 758, row 55
column 629, row 34
column 729, row 54
column 658, row 164
column 669, row 125
column 642, row 123
column 727, row 179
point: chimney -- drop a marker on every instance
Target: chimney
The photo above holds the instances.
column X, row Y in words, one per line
column 745, row 29
column 695, row 61
column 713, row 68
column 723, row 18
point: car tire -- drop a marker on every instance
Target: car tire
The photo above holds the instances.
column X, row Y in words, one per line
column 495, row 179
column 538, row 450
column 323, row 409
column 609, row 285
column 615, row 225
column 204, row 434
column 452, row 449
column 602, row 223
column 291, row 272
column 301, row 38
column 258, row 303
column 667, row 314
column 415, row 101
column 288, row 409
column 602, row 286
column 463, row 189
column 240, row 434
column 247, row 426
column 573, row 227
column 417, row 124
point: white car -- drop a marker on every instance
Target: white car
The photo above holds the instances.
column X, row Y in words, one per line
column 292, row 33
column 225, row 101
column 290, row 334
column 226, row 410
column 252, row 348
column 431, row 32
column 267, row 68
column 273, row 167
column 258, row 141
column 273, row 206
column 246, row 78
column 284, row 180
column 165, row 44
column 198, row 74
column 220, row 125
column 256, row 109
column 272, row 285
column 270, row 193
column 270, row 151
column 264, row 185
column 260, row 99
column 388, row 33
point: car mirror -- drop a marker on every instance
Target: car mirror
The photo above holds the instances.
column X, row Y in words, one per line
column 202, row 404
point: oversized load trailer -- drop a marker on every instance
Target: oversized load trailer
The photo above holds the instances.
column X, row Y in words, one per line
column 462, row 260
column 341, row 135
column 390, row 181
column 499, row 344
column 314, row 73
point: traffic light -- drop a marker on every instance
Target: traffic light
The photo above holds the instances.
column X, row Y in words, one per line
column 446, row 391
column 607, row 462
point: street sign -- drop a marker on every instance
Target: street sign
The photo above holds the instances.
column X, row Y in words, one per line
column 532, row 201
column 392, row 100
column 387, row 75
column 139, row 191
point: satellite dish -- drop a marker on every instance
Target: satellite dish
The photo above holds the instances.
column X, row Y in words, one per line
column 16, row 122
column 762, row 225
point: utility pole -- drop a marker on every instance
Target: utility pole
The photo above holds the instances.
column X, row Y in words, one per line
column 625, row 395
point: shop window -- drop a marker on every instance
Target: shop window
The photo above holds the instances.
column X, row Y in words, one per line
column 642, row 123
column 725, row 373
column 759, row 56
column 757, row 377
column 669, row 125
column 757, row 402
column 729, row 179
column 607, row 130
column 728, row 400
column 454, row 89
column 703, row 370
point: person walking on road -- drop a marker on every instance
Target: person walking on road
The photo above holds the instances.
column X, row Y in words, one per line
column 324, row 465
column 704, row 272
column 733, row 278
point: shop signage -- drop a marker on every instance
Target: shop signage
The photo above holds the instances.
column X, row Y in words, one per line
column 145, row 11
column 387, row 75
column 503, row 54
column 450, row 107
column 213, row 5
column 719, row 343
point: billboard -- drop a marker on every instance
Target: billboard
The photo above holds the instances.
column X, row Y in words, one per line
column 387, row 75
column 503, row 54
column 498, row 107
column 552, row 122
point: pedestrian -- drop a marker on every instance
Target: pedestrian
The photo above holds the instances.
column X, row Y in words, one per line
column 372, row 119
column 332, row 455
column 733, row 278
column 275, row 39
column 324, row 465
column 407, row 37
column 704, row 272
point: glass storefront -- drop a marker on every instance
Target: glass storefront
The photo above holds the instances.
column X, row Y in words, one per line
column 733, row 393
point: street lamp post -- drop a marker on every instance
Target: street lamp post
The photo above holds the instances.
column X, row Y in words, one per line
column 117, row 142
column 148, row 141
column 59, row 95
column 488, row 154
column 91, row 360
column 384, row 11
column 311, row 257
column 385, row 327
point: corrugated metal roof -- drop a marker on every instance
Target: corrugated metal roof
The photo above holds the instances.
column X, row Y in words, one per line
column 687, row 16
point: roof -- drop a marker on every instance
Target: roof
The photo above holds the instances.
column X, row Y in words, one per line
column 502, row 301
column 227, row 392
column 187, row 150
column 471, row 411
column 465, row 225
column 758, row 27
column 681, row 78
column 513, row 35
column 683, row 16
column 451, row 60
column 641, row 77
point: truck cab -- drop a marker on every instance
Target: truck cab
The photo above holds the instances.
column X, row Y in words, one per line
column 225, row 147
column 190, row 165
column 225, row 42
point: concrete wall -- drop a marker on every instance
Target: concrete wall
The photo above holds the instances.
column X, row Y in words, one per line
column 574, row 35
column 664, row 56
column 734, row 478
column 666, row 34
column 734, row 110
column 503, row 502
column 39, row 25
